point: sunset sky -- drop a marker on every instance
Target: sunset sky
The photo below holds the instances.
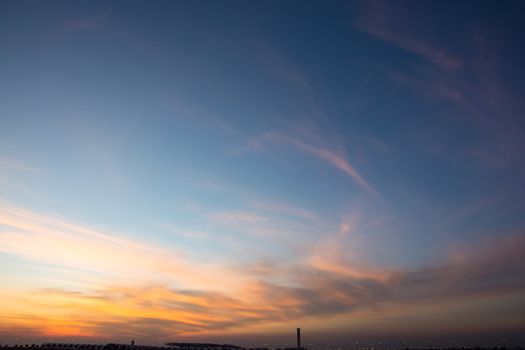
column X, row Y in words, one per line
column 230, row 170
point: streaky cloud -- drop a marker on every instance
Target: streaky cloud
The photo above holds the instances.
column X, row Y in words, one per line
column 339, row 161
column 310, row 142
column 375, row 19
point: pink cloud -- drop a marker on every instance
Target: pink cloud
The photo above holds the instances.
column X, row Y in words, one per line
column 377, row 21
column 338, row 161
column 309, row 141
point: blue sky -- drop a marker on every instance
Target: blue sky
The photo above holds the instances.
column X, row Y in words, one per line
column 302, row 151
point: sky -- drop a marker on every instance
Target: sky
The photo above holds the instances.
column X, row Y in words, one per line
column 230, row 170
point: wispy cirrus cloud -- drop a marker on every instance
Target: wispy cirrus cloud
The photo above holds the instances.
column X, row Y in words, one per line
column 304, row 135
column 310, row 142
column 42, row 239
column 185, row 232
column 485, row 97
column 339, row 161
column 379, row 144
column 284, row 208
column 483, row 100
column 273, row 234
column 375, row 19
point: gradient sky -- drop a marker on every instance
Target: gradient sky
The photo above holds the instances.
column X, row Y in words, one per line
column 228, row 171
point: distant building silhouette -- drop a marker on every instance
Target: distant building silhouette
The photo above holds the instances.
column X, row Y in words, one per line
column 203, row 346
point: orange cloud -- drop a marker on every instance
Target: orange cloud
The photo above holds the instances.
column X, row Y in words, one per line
column 45, row 240
column 153, row 293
